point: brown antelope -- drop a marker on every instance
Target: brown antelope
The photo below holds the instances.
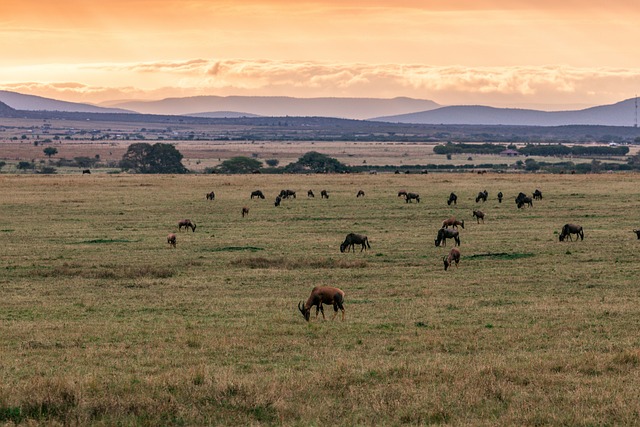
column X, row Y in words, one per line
column 453, row 222
column 323, row 295
column 479, row 215
column 186, row 223
column 245, row 211
column 171, row 239
column 454, row 256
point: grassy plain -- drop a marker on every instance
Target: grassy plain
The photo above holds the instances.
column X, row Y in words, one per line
column 102, row 323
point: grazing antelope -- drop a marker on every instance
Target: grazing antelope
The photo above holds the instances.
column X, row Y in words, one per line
column 402, row 193
column 454, row 256
column 324, row 194
column 171, row 239
column 360, row 193
column 452, row 199
column 277, row 202
column 245, row 211
column 258, row 194
column 310, row 194
column 453, row 222
column 352, row 240
column 569, row 229
column 500, row 197
column 479, row 215
column 186, row 223
column 323, row 295
column 447, row 233
column 411, row 196
column 637, row 233
column 86, row 172
column 211, row 196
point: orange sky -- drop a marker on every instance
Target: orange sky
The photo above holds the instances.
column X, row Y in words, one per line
column 500, row 52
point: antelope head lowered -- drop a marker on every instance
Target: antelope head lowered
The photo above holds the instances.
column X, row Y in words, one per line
column 323, row 295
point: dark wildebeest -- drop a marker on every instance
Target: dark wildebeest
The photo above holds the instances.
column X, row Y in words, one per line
column 171, row 239
column 310, row 194
column 452, row 199
column 454, row 256
column 411, row 196
column 324, row 194
column 285, row 194
column 211, row 196
column 523, row 199
column 447, row 233
column 278, row 200
column 453, row 222
column 360, row 193
column 257, row 193
column 402, row 193
column 323, row 295
column 482, row 196
column 479, row 216
column 637, row 233
column 500, row 197
column 352, row 240
column 569, row 229
column 537, row 195
column 186, row 223
column 86, row 171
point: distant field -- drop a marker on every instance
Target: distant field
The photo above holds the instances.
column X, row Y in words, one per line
column 199, row 155
column 103, row 323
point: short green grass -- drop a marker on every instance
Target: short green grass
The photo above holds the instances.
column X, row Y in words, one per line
column 102, row 323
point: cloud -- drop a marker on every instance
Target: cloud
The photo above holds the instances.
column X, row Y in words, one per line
column 501, row 86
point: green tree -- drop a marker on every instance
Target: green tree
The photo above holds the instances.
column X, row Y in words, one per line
column 143, row 157
column 317, row 163
column 239, row 164
column 24, row 165
column 531, row 165
column 50, row 151
column 272, row 162
column 85, row 162
column 2, row 164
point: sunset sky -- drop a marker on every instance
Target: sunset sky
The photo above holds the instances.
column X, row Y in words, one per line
column 520, row 53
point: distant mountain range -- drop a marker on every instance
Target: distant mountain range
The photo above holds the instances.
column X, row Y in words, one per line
column 620, row 114
column 396, row 110
column 19, row 101
column 279, row 106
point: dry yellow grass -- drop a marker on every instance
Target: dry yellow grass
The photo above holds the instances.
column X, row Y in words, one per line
column 103, row 323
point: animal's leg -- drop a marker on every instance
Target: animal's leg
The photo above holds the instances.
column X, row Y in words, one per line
column 322, row 311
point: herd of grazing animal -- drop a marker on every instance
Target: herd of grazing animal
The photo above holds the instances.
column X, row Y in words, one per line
column 328, row 295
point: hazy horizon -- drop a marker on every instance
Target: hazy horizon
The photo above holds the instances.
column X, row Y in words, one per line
column 535, row 54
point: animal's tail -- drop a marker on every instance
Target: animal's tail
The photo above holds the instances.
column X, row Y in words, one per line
column 368, row 245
